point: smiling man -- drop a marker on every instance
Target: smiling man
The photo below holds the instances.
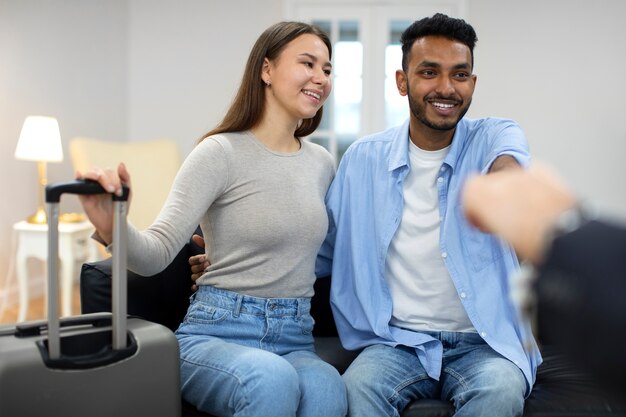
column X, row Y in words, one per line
column 423, row 293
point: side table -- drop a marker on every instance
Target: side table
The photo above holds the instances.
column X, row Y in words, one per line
column 75, row 246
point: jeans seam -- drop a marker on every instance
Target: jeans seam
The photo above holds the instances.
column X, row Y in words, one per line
column 461, row 382
column 222, row 370
column 404, row 385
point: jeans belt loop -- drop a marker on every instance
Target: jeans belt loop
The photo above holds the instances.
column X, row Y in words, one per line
column 300, row 308
column 237, row 308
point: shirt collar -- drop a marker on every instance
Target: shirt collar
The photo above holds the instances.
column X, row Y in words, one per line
column 457, row 144
column 399, row 155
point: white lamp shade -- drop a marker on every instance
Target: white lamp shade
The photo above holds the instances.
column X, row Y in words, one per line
column 40, row 140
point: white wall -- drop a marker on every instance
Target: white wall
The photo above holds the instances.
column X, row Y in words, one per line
column 186, row 61
column 67, row 59
column 556, row 67
column 139, row 69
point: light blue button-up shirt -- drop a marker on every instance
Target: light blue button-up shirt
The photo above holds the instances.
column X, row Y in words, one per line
column 365, row 205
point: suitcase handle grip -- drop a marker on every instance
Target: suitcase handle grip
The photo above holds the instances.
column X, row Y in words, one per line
column 84, row 187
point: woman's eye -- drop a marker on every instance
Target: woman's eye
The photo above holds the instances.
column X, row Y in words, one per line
column 327, row 72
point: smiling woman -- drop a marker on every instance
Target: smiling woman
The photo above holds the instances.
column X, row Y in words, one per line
column 256, row 189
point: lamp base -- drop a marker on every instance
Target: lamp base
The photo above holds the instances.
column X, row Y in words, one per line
column 72, row 217
column 39, row 217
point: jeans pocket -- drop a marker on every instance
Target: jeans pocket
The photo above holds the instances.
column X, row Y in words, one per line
column 203, row 313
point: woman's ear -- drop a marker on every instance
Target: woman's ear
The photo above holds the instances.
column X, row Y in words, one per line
column 265, row 72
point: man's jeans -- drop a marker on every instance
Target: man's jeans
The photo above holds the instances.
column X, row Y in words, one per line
column 479, row 382
column 249, row 356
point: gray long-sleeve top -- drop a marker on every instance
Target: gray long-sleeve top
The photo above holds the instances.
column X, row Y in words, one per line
column 261, row 212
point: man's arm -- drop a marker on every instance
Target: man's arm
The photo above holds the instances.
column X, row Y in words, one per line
column 580, row 281
column 504, row 162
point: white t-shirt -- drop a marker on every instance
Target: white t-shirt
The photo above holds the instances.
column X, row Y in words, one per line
column 422, row 291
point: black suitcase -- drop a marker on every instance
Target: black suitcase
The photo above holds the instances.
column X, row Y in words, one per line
column 92, row 365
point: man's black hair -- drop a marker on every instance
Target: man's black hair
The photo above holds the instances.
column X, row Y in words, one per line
column 437, row 25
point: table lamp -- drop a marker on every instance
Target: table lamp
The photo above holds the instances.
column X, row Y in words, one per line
column 40, row 141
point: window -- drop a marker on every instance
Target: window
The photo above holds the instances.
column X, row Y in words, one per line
column 366, row 54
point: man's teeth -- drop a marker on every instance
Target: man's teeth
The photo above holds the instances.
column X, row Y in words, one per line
column 312, row 94
column 443, row 106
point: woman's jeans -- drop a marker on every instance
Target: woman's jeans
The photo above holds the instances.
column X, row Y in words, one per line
column 248, row 356
column 478, row 381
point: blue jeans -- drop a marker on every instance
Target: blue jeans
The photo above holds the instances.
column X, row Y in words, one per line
column 478, row 381
column 247, row 356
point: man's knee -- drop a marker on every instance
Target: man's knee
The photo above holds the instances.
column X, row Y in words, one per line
column 497, row 385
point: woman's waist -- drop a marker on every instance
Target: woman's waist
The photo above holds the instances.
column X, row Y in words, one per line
column 260, row 282
column 242, row 303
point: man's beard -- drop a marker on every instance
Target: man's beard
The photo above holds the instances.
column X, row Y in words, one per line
column 419, row 111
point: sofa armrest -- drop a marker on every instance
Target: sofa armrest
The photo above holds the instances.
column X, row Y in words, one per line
column 162, row 298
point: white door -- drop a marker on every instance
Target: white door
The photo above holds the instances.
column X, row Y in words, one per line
column 366, row 54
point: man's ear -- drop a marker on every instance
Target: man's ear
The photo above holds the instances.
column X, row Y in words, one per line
column 401, row 83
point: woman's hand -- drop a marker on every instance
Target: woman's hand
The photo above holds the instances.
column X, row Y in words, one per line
column 99, row 207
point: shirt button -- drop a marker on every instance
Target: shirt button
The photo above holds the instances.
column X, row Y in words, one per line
column 463, row 295
column 444, row 254
column 439, row 180
column 483, row 334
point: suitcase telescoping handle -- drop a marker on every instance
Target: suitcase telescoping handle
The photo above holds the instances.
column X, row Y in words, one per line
column 119, row 289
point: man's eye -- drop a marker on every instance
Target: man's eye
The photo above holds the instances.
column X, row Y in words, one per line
column 428, row 73
column 308, row 64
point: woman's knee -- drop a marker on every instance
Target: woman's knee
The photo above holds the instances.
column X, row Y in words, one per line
column 258, row 381
column 323, row 391
column 270, row 374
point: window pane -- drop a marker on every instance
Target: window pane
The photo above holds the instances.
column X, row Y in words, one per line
column 396, row 106
column 341, row 123
column 348, row 79
column 326, row 26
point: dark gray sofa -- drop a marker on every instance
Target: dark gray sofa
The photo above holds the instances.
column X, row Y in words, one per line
column 561, row 390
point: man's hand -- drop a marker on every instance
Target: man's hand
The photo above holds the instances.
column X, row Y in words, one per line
column 518, row 205
column 198, row 263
